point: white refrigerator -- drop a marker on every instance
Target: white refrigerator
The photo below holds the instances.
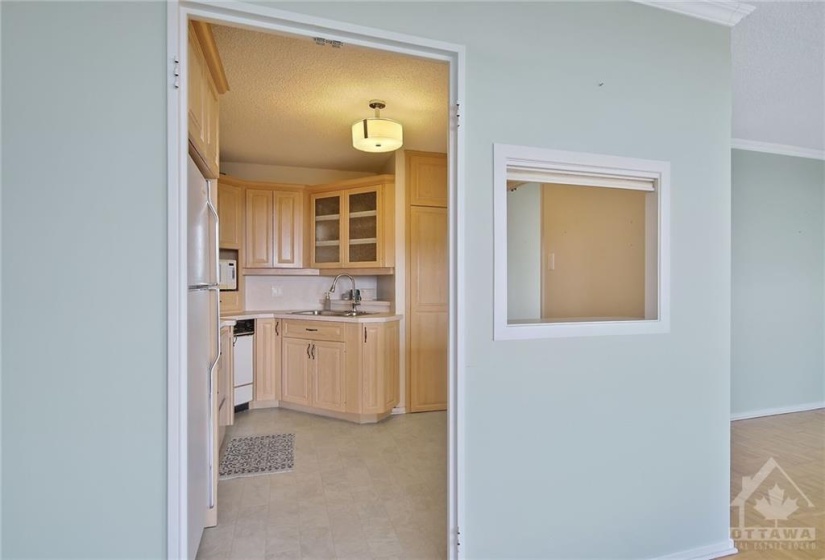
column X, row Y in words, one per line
column 203, row 323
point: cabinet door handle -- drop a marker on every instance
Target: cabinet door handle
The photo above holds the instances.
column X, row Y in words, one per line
column 311, row 330
column 276, row 328
column 313, row 351
column 365, row 334
column 308, row 347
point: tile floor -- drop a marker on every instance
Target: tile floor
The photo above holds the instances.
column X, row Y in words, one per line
column 357, row 492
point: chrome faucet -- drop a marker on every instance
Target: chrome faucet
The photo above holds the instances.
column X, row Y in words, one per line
column 356, row 296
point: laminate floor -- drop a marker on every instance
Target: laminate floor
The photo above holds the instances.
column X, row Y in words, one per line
column 782, row 501
column 356, row 492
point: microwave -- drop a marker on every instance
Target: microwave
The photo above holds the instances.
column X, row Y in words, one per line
column 228, row 279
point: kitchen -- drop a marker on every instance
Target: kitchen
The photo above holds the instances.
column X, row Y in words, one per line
column 333, row 292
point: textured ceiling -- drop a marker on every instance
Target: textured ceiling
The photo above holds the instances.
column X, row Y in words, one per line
column 292, row 102
column 779, row 74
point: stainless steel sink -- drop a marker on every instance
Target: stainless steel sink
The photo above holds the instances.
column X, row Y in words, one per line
column 324, row 313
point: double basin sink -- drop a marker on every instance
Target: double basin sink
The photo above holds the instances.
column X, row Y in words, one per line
column 325, row 313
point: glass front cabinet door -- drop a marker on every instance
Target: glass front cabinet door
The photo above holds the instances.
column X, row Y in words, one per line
column 326, row 232
column 353, row 226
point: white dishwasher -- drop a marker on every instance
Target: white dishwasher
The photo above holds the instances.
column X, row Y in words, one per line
column 243, row 360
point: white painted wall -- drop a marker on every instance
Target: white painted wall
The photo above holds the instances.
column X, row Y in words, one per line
column 288, row 174
column 524, row 252
column 778, row 322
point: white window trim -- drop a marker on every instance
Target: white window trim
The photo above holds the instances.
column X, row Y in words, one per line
column 580, row 168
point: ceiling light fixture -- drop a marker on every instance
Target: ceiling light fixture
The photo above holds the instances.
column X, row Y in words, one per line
column 376, row 134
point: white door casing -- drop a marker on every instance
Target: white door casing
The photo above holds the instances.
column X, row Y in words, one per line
column 273, row 20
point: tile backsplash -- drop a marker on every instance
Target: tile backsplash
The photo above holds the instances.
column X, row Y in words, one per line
column 295, row 292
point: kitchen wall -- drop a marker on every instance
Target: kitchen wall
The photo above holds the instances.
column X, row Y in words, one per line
column 288, row 174
column 661, row 403
column 645, row 408
column 524, row 252
column 778, row 340
column 296, row 292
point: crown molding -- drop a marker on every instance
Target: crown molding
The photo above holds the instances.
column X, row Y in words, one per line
column 778, row 149
column 722, row 12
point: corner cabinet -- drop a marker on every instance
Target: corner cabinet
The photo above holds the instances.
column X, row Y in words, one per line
column 352, row 224
column 344, row 370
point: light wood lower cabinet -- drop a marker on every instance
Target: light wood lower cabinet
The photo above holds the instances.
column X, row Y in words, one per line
column 295, row 371
column 226, row 380
column 344, row 370
column 267, row 373
column 327, row 373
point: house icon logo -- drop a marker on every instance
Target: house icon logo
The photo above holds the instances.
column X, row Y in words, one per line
column 765, row 507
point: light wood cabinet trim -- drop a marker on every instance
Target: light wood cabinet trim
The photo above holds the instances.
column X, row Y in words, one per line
column 349, row 184
column 203, row 33
column 238, row 182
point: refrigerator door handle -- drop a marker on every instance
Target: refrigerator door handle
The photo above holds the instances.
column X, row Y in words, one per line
column 211, row 415
column 214, row 213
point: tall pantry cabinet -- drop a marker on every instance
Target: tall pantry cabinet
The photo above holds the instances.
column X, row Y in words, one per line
column 427, row 281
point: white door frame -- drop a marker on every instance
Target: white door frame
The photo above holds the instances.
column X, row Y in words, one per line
column 264, row 18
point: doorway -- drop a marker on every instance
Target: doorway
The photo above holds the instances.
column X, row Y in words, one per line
column 275, row 21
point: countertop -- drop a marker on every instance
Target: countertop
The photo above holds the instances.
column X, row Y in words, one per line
column 287, row 314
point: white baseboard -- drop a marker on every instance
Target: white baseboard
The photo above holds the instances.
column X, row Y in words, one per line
column 779, row 410
column 399, row 410
column 719, row 550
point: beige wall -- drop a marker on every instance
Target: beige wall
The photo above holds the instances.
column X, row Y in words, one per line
column 593, row 252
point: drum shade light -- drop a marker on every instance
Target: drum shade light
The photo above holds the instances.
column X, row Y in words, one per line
column 376, row 134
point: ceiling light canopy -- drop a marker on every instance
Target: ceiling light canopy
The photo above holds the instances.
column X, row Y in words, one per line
column 376, row 134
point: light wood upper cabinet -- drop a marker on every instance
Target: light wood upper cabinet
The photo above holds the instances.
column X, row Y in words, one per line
column 426, row 178
column 231, row 210
column 274, row 228
column 260, row 229
column 206, row 82
column 352, row 224
column 267, row 376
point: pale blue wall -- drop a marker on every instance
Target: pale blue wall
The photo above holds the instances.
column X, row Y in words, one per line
column 84, row 228
column 778, row 341
column 624, row 438
column 606, row 447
